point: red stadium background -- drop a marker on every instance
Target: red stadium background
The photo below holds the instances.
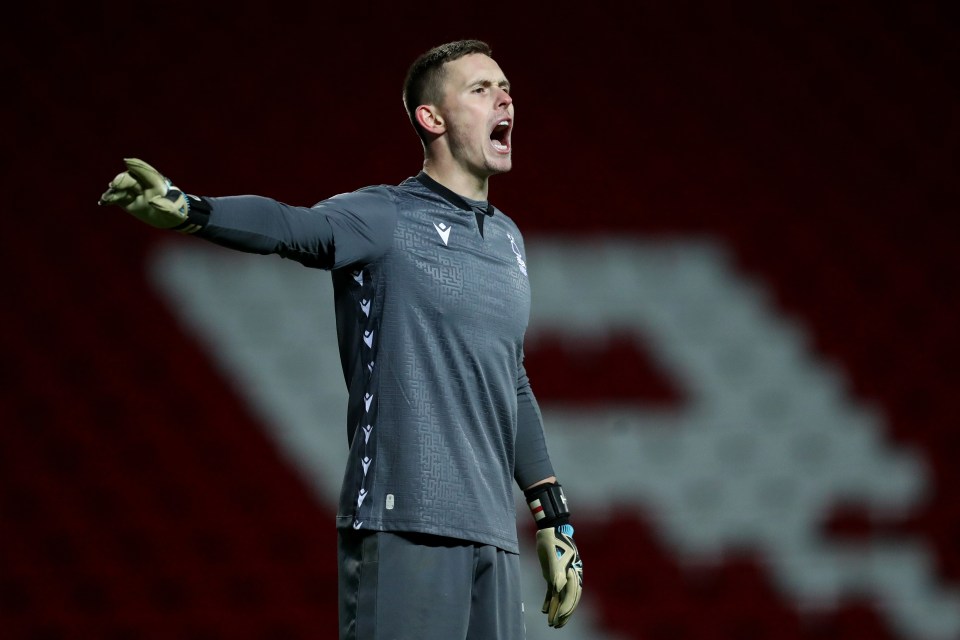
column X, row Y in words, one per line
column 140, row 497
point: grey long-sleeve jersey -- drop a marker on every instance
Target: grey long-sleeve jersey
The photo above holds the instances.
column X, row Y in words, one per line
column 432, row 303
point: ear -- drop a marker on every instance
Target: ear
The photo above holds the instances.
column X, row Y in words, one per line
column 430, row 119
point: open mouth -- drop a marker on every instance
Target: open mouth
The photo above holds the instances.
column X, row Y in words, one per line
column 500, row 136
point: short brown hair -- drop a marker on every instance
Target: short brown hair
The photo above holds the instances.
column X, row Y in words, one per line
column 424, row 82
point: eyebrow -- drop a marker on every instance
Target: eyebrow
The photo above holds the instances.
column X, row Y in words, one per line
column 503, row 84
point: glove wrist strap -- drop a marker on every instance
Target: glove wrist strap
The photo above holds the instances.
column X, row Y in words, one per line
column 548, row 505
column 198, row 214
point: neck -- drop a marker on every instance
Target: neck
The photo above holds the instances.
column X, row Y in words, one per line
column 453, row 177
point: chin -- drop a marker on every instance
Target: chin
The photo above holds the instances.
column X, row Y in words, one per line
column 501, row 165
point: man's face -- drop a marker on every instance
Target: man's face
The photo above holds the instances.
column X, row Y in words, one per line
column 478, row 112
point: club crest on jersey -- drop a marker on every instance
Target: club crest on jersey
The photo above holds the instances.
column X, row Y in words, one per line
column 516, row 252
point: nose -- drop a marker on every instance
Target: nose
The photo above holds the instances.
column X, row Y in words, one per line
column 504, row 99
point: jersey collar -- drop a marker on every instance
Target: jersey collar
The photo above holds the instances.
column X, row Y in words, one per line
column 453, row 198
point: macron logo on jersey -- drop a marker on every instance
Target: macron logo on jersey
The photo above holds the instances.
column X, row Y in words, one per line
column 444, row 231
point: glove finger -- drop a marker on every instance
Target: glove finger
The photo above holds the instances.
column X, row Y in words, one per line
column 145, row 175
column 109, row 197
column 121, row 190
column 552, row 610
column 569, row 598
column 546, row 601
column 557, row 588
column 121, row 198
column 125, row 182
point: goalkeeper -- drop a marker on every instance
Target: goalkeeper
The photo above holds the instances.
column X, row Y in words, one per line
column 432, row 302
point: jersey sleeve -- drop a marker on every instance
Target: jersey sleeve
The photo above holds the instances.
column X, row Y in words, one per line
column 350, row 228
column 532, row 463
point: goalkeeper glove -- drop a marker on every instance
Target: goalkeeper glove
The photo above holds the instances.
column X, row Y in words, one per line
column 148, row 196
column 559, row 558
column 563, row 571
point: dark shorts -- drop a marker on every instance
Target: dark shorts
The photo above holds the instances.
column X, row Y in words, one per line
column 420, row 587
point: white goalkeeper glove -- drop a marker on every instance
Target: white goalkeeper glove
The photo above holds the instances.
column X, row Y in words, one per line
column 148, row 196
column 559, row 558
column 563, row 571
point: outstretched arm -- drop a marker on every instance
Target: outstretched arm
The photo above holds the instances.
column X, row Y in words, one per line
column 346, row 229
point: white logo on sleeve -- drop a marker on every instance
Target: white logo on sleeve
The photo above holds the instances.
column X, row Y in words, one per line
column 444, row 231
column 368, row 338
column 365, row 307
